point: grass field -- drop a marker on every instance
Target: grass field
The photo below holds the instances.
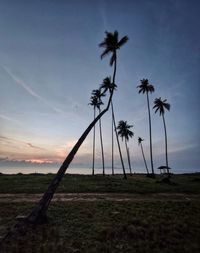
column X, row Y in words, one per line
column 37, row 183
column 156, row 226
column 110, row 227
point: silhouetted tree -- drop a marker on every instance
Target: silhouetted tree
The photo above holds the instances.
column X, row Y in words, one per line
column 111, row 44
column 39, row 213
column 93, row 102
column 160, row 105
column 125, row 133
column 107, row 85
column 145, row 87
column 140, row 140
column 98, row 94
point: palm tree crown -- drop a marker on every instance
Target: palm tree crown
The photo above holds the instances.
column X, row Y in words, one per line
column 107, row 85
column 140, row 140
column 95, row 99
column 145, row 87
column 160, row 105
column 111, row 44
column 124, row 130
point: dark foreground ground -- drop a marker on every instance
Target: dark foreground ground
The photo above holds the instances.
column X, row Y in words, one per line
column 140, row 215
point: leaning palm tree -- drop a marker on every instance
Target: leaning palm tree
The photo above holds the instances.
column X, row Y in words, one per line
column 140, row 140
column 125, row 133
column 98, row 95
column 147, row 88
column 39, row 213
column 111, row 44
column 160, row 105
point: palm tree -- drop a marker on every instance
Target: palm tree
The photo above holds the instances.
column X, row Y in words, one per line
column 124, row 132
column 107, row 85
column 111, row 44
column 160, row 105
column 145, row 87
column 98, row 94
column 140, row 140
column 94, row 103
column 39, row 213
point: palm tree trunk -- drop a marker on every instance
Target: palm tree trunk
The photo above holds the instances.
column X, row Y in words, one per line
column 144, row 159
column 93, row 157
column 112, row 146
column 113, row 81
column 39, row 213
column 113, row 117
column 128, row 157
column 119, row 148
column 151, row 155
column 166, row 154
column 101, row 139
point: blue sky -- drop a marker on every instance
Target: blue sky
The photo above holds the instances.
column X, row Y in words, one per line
column 50, row 62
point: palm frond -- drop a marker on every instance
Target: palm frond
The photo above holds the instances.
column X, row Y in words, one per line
column 150, row 88
column 167, row 106
column 105, row 53
column 122, row 41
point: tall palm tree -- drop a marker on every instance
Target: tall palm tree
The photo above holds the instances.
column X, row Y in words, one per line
column 98, row 94
column 111, row 44
column 94, row 103
column 147, row 88
column 39, row 213
column 140, row 140
column 125, row 133
column 107, row 85
column 160, row 106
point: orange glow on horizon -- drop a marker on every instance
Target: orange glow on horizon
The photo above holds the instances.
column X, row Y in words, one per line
column 39, row 161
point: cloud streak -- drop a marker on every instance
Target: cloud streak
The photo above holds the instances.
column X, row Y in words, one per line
column 34, row 147
column 9, row 140
column 29, row 90
column 2, row 116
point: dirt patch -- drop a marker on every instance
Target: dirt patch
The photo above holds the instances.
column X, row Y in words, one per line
column 64, row 197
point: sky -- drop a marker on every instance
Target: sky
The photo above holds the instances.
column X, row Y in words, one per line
column 50, row 62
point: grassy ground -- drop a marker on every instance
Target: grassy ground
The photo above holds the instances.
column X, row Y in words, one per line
column 156, row 227
column 37, row 183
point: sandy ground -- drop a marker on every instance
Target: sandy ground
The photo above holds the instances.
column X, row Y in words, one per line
column 63, row 197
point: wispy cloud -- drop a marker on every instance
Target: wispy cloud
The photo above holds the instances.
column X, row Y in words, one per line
column 2, row 116
column 9, row 140
column 31, row 92
column 33, row 146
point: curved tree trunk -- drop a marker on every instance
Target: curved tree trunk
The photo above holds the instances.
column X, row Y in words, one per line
column 151, row 155
column 144, row 159
column 128, row 157
column 39, row 213
column 166, row 154
column 101, row 139
column 93, row 156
